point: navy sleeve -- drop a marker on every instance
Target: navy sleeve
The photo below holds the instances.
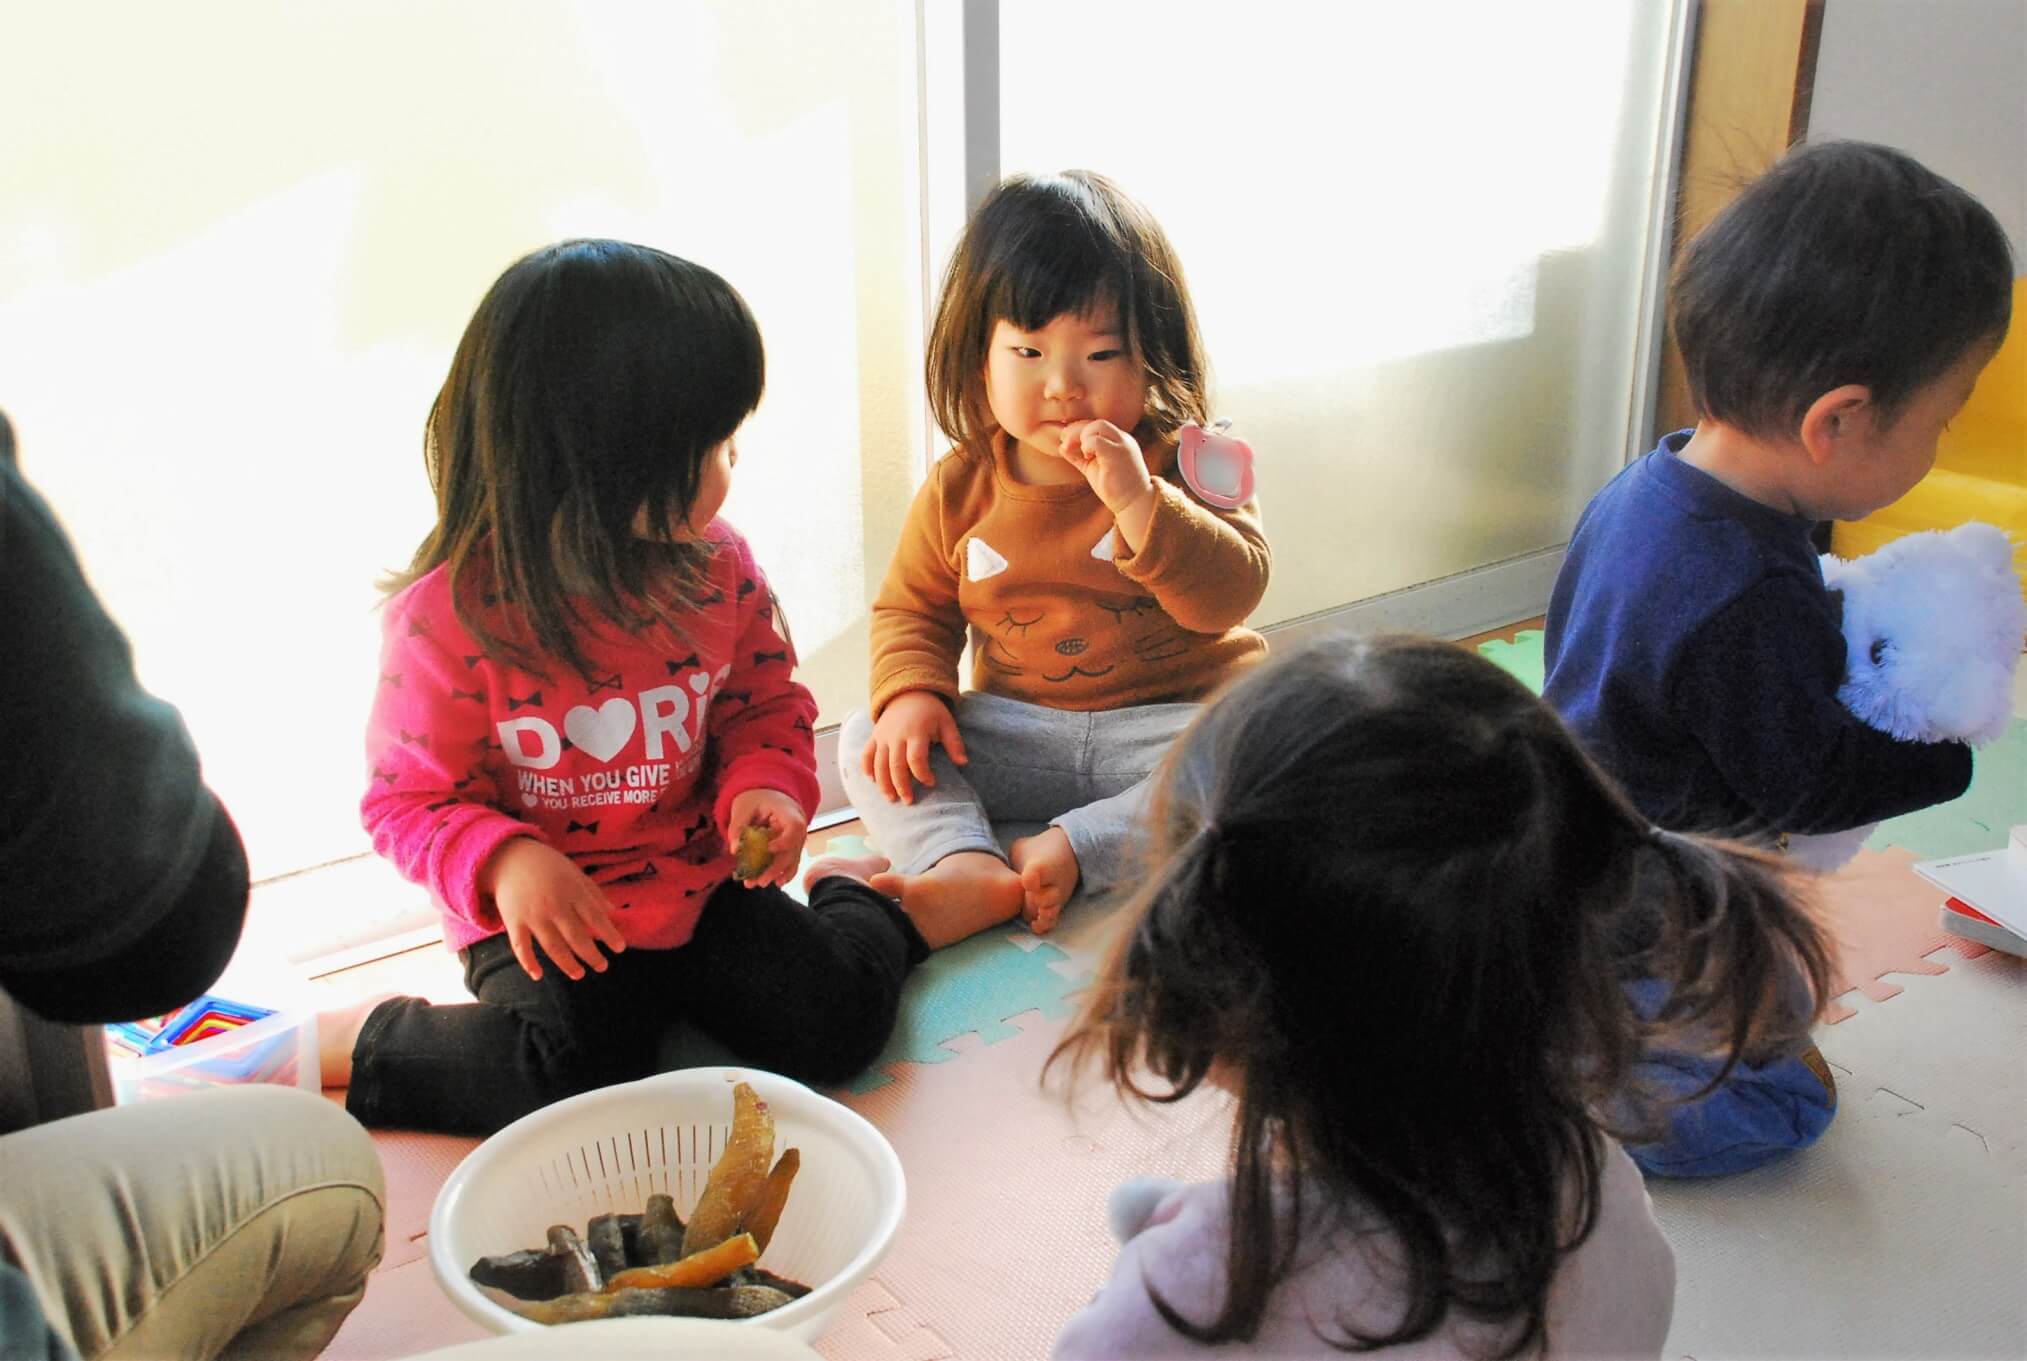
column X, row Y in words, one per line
column 1756, row 689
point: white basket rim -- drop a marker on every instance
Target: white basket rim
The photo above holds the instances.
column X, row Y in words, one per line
column 891, row 1194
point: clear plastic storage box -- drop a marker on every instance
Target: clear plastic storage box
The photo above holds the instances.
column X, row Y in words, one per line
column 281, row 1049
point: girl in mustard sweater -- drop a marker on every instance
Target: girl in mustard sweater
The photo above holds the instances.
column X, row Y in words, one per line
column 1099, row 549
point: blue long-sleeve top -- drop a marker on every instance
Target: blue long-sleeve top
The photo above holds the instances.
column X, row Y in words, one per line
column 1693, row 647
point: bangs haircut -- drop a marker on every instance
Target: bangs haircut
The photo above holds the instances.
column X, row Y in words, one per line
column 1040, row 246
column 590, row 387
column 1844, row 263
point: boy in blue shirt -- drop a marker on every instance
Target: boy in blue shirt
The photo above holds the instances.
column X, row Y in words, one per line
column 1832, row 320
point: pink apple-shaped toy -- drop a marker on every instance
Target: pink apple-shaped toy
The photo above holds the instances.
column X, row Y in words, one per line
column 1217, row 467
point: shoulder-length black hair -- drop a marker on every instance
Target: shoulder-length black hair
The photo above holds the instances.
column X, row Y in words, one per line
column 1043, row 245
column 1383, row 903
column 1844, row 263
column 592, row 383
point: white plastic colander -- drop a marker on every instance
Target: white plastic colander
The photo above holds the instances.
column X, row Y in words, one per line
column 607, row 1151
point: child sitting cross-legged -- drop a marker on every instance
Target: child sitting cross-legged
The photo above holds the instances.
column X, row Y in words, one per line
column 1100, row 567
column 587, row 699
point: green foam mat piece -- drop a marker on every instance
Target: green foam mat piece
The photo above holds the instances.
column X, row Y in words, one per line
column 1976, row 821
column 1522, row 657
column 964, row 989
column 971, row 987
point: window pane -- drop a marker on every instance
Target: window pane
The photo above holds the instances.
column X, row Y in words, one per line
column 1415, row 237
column 239, row 244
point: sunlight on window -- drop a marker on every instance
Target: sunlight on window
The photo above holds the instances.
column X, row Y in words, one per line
column 1414, row 235
column 236, row 254
column 1388, row 174
column 231, row 281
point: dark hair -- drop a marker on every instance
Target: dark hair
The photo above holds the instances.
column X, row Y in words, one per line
column 1043, row 245
column 1385, row 889
column 1844, row 263
column 592, row 383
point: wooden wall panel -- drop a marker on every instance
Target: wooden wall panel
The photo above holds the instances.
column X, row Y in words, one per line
column 1750, row 79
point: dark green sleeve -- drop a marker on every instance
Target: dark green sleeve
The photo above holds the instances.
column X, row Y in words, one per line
column 122, row 882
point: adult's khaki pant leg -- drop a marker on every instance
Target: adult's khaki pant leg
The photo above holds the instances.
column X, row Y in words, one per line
column 240, row 1223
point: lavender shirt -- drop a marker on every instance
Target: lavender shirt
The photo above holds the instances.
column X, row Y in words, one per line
column 1613, row 1296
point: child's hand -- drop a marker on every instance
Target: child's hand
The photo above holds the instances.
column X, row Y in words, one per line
column 901, row 739
column 1111, row 462
column 544, row 899
column 786, row 826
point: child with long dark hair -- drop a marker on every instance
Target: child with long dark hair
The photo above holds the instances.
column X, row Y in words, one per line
column 1388, row 911
column 586, row 698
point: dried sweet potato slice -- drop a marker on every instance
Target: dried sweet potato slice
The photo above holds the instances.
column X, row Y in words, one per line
column 754, row 853
column 580, row 1268
column 766, row 1212
column 530, row 1274
column 708, row 1267
column 607, row 1243
column 661, row 1232
column 735, row 1183
column 738, row 1301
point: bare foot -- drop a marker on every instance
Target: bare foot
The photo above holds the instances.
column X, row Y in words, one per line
column 958, row 896
column 859, row 867
column 337, row 1031
column 1049, row 874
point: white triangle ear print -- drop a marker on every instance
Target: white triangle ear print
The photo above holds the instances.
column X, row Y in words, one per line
column 1105, row 547
column 981, row 560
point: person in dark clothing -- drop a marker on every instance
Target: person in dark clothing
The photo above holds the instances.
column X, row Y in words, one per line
column 123, row 888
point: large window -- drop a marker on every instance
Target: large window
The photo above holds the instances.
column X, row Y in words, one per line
column 1418, row 236
column 239, row 242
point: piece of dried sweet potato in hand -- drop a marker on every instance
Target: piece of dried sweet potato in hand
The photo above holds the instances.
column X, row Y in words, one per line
column 754, row 854
column 736, row 1182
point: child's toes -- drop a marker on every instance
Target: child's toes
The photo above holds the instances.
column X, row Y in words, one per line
column 1041, row 898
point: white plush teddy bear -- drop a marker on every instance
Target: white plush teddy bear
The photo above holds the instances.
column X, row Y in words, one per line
column 1933, row 624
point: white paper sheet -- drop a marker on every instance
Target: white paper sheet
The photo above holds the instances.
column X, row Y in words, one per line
column 1994, row 882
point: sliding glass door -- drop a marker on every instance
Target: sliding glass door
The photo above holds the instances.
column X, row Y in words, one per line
column 1420, row 238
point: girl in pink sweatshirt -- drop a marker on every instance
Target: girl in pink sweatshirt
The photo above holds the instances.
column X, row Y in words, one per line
column 1387, row 912
column 586, row 696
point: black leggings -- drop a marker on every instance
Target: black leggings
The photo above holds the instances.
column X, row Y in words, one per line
column 808, row 992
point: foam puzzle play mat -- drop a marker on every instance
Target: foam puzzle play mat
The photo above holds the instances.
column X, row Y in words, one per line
column 1902, row 1233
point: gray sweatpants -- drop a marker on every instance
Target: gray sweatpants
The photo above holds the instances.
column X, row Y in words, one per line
column 1084, row 772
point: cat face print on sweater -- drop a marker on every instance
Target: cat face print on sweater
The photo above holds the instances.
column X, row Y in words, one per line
column 1062, row 644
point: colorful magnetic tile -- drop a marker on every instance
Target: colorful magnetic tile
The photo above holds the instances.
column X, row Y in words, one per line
column 206, row 1017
